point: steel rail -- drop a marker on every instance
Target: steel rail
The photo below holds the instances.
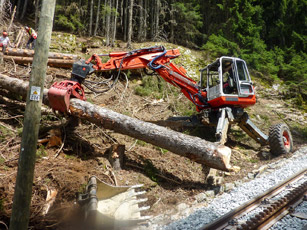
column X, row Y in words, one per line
column 224, row 220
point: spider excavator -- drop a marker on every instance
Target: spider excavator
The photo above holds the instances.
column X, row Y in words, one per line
column 222, row 93
column 220, row 96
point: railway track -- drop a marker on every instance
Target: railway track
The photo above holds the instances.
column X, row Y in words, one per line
column 266, row 209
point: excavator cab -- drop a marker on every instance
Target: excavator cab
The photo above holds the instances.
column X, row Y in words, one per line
column 228, row 83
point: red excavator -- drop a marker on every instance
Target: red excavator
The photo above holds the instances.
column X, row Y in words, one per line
column 220, row 96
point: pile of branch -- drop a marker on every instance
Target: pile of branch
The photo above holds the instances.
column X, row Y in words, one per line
column 25, row 56
column 199, row 150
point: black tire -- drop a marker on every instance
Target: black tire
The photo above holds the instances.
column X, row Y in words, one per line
column 280, row 139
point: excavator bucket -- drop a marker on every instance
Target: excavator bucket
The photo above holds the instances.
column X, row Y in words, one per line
column 112, row 207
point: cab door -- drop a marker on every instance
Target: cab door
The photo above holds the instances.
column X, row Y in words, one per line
column 244, row 83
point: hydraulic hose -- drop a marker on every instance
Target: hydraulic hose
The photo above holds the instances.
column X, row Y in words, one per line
column 151, row 63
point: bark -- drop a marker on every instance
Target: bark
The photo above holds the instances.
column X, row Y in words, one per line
column 108, row 21
column 30, row 53
column 97, row 18
column 32, row 116
column 129, row 35
column 12, row 19
column 91, row 17
column 24, row 9
column 172, row 23
column 125, row 17
column 60, row 63
column 156, row 20
column 194, row 148
column 115, row 24
column 18, row 7
column 145, row 19
column 141, row 21
column 36, row 13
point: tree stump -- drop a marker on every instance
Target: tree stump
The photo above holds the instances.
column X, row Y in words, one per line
column 115, row 156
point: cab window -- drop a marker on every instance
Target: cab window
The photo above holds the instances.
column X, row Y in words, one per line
column 213, row 77
column 242, row 71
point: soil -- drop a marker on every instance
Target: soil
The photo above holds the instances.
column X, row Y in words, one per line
column 68, row 155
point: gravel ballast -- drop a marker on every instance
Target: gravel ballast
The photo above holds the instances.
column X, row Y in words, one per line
column 273, row 175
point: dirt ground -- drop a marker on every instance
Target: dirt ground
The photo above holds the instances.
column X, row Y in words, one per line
column 67, row 155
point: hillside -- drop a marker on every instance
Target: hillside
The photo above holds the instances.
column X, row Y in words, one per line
column 168, row 179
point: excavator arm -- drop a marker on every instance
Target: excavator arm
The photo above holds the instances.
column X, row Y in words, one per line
column 156, row 58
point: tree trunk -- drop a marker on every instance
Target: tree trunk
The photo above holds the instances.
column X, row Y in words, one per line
column 152, row 20
column 125, row 16
column 129, row 45
column 24, row 9
column 108, row 23
column 30, row 53
column 194, row 148
column 172, row 23
column 91, row 17
column 97, row 18
column 141, row 21
column 115, row 24
column 60, row 63
column 19, row 8
column 32, row 116
column 36, row 13
column 156, row 20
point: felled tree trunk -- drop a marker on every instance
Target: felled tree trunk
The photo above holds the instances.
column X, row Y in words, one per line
column 30, row 53
column 194, row 148
column 60, row 63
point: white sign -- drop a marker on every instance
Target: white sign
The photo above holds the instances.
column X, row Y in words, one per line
column 35, row 93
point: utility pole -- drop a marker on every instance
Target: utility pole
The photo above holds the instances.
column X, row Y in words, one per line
column 23, row 188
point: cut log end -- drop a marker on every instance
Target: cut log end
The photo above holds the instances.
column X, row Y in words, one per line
column 224, row 153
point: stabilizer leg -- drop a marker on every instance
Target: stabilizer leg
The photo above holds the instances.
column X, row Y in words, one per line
column 248, row 126
column 222, row 126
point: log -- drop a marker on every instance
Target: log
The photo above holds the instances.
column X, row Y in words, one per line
column 30, row 53
column 60, row 63
column 199, row 150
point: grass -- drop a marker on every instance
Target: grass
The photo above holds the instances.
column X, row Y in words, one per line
column 151, row 86
column 41, row 152
column 141, row 143
column 150, row 170
column 2, row 160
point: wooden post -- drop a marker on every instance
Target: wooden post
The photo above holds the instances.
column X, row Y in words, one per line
column 23, row 188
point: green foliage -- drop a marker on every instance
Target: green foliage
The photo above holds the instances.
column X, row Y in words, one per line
column 2, row 160
column 217, row 45
column 68, row 18
column 41, row 152
column 150, row 170
column 188, row 23
column 141, row 143
column 151, row 86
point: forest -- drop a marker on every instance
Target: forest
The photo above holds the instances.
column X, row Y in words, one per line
column 270, row 35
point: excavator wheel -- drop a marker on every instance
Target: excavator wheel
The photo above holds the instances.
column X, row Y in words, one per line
column 280, row 139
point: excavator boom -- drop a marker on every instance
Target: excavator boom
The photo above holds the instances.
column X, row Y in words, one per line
column 155, row 58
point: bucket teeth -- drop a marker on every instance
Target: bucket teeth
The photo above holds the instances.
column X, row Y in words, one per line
column 113, row 205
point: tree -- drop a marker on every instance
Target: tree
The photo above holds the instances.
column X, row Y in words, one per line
column 114, row 23
column 26, row 163
column 108, row 22
column 129, row 45
column 91, row 17
column 97, row 18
